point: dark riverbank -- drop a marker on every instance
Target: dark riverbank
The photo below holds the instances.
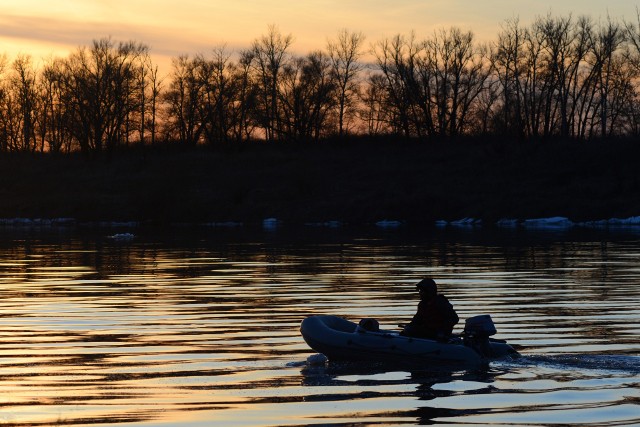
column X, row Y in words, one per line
column 356, row 182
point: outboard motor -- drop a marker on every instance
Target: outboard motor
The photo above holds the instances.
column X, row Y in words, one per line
column 477, row 331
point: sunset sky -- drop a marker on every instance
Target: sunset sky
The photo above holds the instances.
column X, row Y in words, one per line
column 43, row 28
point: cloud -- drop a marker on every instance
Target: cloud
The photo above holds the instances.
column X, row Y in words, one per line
column 172, row 28
column 66, row 35
column 46, row 30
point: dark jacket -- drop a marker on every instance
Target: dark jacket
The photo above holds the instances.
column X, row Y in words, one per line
column 435, row 319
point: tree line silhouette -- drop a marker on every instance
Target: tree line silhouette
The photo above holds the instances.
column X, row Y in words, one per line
column 557, row 77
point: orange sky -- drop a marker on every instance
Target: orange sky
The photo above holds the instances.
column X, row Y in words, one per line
column 42, row 27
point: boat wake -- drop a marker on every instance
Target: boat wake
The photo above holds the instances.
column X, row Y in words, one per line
column 581, row 362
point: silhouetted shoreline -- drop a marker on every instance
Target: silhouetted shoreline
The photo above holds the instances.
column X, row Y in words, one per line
column 559, row 77
column 355, row 183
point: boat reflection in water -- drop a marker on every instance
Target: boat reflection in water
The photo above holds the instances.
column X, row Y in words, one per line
column 380, row 383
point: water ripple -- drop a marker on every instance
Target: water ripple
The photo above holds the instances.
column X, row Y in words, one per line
column 170, row 333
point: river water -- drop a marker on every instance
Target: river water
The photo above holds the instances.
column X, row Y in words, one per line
column 200, row 327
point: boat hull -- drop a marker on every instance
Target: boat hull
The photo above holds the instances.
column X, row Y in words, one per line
column 340, row 339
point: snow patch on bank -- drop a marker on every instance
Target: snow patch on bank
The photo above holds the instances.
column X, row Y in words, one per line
column 459, row 223
column 467, row 222
column 118, row 224
column 122, row 237
column 37, row 222
column 546, row 223
column 561, row 223
column 62, row 222
column 508, row 223
column 633, row 221
column 327, row 224
column 386, row 223
column 225, row 224
column 550, row 223
column 271, row 223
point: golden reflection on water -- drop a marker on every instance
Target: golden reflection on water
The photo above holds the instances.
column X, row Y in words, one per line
column 161, row 333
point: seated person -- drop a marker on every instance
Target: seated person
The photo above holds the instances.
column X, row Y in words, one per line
column 435, row 318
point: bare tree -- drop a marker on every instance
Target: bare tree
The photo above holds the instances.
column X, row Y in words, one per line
column 432, row 85
column 507, row 63
column 559, row 76
column 345, row 52
column 483, row 111
column 307, row 96
column 183, row 99
column 545, row 78
column 217, row 75
column 375, row 111
column 51, row 114
column 293, row 101
column 155, row 86
column 604, row 49
column 8, row 124
column 149, row 86
column 100, row 87
column 460, row 70
column 320, row 86
column 535, row 85
column 143, row 76
column 396, row 60
column 270, row 56
column 564, row 55
column 25, row 97
column 245, row 103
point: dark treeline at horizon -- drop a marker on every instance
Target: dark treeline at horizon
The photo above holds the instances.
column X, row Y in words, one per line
column 559, row 77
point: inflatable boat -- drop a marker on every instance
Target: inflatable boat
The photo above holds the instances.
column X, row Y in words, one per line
column 342, row 340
